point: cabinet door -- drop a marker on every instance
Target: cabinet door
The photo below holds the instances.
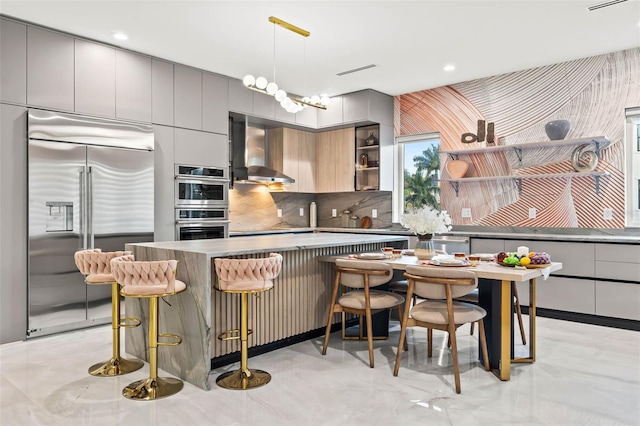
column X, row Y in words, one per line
column 618, row 300
column 307, row 162
column 355, row 107
column 325, row 166
column 240, row 98
column 577, row 258
column 50, row 69
column 386, row 157
column 481, row 245
column 335, row 165
column 187, row 98
column 380, row 108
column 201, row 148
column 308, row 117
column 215, row 103
column 562, row 294
column 164, row 174
column 133, row 86
column 283, row 116
column 162, row 92
column 264, row 105
column 345, row 159
column 13, row 62
column 332, row 116
column 95, row 79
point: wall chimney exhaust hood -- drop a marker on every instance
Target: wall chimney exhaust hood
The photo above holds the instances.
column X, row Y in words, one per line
column 250, row 152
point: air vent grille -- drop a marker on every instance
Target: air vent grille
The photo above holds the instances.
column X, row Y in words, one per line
column 605, row 4
column 366, row 67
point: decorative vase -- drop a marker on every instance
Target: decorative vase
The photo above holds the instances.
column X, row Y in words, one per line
column 557, row 129
column 425, row 249
column 457, row 168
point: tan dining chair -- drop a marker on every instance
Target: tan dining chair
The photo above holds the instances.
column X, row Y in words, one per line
column 361, row 276
column 440, row 312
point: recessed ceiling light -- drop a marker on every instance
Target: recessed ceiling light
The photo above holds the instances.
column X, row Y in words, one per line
column 449, row 67
column 120, row 36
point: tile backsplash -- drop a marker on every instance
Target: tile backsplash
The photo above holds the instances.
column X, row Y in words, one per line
column 252, row 207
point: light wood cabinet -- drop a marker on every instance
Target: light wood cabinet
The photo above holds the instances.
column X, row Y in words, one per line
column 293, row 153
column 335, row 163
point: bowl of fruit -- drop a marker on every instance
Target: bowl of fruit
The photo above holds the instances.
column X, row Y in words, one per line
column 531, row 261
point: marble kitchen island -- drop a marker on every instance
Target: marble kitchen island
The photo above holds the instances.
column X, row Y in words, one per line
column 296, row 305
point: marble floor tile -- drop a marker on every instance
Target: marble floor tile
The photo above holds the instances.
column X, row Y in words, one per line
column 584, row 375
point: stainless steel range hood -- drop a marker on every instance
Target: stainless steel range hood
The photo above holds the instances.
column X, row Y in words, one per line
column 250, row 154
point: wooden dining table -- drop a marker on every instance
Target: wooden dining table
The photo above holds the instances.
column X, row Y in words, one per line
column 495, row 296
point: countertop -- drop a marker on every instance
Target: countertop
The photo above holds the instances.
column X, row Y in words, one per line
column 631, row 239
column 266, row 243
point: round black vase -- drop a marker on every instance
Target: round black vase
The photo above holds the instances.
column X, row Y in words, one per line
column 557, row 129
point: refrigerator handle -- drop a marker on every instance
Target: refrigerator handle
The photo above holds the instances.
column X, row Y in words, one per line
column 90, row 207
column 83, row 210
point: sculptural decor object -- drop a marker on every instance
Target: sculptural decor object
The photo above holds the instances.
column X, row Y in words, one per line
column 457, row 168
column 557, row 129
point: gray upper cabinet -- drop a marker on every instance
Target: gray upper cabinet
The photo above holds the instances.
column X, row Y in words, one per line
column 355, row 107
column 95, row 79
column 307, row 117
column 13, row 62
column 187, row 97
column 380, row 108
column 201, row 148
column 332, row 116
column 283, row 116
column 161, row 92
column 50, row 80
column 264, row 105
column 133, row 86
column 240, row 98
column 215, row 103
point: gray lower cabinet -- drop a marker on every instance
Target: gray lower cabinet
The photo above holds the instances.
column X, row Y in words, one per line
column 562, row 294
column 13, row 226
column 215, row 103
column 201, row 148
column 50, row 77
column 187, row 97
column 578, row 258
column 164, row 173
column 133, row 86
column 618, row 300
column 161, row 92
column 13, row 62
column 95, row 79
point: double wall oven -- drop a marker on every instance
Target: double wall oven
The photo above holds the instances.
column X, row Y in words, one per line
column 201, row 202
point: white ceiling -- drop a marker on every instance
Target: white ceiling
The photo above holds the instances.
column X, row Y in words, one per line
column 409, row 41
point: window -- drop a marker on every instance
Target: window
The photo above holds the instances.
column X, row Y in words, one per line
column 632, row 174
column 418, row 173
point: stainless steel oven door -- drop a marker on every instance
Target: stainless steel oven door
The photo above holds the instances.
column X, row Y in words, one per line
column 187, row 230
column 201, row 192
column 195, row 172
column 197, row 214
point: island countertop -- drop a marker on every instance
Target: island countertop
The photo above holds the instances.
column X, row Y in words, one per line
column 265, row 243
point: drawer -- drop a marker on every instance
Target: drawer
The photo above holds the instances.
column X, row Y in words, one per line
column 625, row 253
column 617, row 271
column 562, row 294
column 577, row 258
column 618, row 300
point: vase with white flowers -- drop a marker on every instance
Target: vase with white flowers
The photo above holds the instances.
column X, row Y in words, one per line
column 424, row 222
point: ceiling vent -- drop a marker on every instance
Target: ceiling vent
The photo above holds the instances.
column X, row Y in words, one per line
column 605, row 4
column 366, row 67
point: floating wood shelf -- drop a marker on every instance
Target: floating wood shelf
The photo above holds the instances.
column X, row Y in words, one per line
column 518, row 179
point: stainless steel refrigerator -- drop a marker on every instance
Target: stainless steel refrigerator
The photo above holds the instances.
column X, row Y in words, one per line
column 90, row 186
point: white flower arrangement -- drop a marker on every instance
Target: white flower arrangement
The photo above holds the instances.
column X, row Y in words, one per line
column 425, row 220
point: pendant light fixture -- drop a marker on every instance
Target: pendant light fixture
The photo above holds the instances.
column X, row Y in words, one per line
column 290, row 103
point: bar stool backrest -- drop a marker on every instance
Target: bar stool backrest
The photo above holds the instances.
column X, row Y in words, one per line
column 356, row 280
column 95, row 261
column 144, row 277
column 436, row 289
column 248, row 274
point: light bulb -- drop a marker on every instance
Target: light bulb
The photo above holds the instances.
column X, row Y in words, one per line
column 291, row 109
column 306, row 99
column 272, row 88
column 249, row 80
column 325, row 100
column 315, row 99
column 261, row 83
column 280, row 95
column 286, row 102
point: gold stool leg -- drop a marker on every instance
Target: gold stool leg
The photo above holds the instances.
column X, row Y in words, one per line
column 244, row 378
column 116, row 366
column 153, row 387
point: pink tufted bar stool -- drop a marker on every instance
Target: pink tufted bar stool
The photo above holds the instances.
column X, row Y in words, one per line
column 245, row 276
column 150, row 280
column 95, row 265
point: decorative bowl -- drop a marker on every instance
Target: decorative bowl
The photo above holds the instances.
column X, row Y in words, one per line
column 424, row 254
